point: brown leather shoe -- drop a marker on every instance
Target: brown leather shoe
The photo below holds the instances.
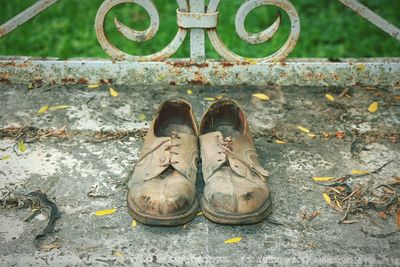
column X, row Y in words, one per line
column 162, row 187
column 236, row 190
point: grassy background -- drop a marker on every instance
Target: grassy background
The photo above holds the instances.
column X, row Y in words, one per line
column 329, row 29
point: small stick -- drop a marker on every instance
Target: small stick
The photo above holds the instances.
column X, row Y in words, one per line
column 344, row 92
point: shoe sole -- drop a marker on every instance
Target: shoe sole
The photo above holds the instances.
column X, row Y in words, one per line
column 164, row 220
column 232, row 219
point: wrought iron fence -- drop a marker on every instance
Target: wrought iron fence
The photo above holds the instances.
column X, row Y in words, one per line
column 197, row 19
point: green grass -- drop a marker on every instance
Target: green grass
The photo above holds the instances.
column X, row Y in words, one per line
column 328, row 29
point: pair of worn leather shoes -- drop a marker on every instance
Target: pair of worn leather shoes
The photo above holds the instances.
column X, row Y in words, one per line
column 162, row 188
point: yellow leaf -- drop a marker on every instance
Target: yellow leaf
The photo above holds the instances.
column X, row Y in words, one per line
column 280, row 142
column 357, row 172
column 43, row 109
column 142, row 117
column 105, row 212
column 6, row 157
column 59, row 107
column 200, row 213
column 113, row 92
column 360, row 67
column 21, row 146
column 209, row 98
column 118, row 254
column 311, row 135
column 219, row 97
column 232, row 240
column 301, row 128
column 261, row 96
column 189, row 92
column 134, row 223
column 93, row 86
column 322, row 179
column 373, row 107
column 329, row 97
column 327, row 198
column 251, row 61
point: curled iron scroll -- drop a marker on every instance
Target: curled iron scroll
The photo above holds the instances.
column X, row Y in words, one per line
column 138, row 36
column 263, row 36
column 170, row 49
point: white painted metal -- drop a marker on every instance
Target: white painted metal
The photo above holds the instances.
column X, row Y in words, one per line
column 24, row 16
column 372, row 17
column 197, row 35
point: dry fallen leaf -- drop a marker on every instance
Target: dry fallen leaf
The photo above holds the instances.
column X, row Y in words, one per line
column 21, row 146
column 360, row 67
column 118, row 254
column 312, row 215
column 325, row 134
column 303, row 129
column 58, row 107
column 340, row 134
column 311, row 135
column 93, row 86
column 142, row 117
column 373, row 107
column 382, row 215
column 189, row 92
column 134, row 223
column 280, row 142
column 43, row 109
column 329, row 97
column 113, row 92
column 48, row 247
column 398, row 219
column 200, row 213
column 105, row 212
column 251, row 61
column 5, row 157
column 261, row 96
column 232, row 240
column 357, row 172
column 323, row 179
column 327, row 198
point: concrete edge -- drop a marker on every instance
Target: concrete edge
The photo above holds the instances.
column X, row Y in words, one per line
column 379, row 72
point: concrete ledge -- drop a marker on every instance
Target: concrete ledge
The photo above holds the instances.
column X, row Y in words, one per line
column 382, row 72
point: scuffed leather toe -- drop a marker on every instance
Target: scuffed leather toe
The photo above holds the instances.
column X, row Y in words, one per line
column 227, row 194
column 170, row 196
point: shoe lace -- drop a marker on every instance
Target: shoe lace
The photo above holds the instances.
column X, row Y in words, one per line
column 226, row 145
column 174, row 136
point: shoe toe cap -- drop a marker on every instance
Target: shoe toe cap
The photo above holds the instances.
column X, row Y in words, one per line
column 159, row 199
column 240, row 197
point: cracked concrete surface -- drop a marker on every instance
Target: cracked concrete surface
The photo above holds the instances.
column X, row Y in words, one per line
column 68, row 168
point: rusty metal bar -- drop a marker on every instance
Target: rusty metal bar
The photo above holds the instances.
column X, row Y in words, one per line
column 372, row 17
column 24, row 16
